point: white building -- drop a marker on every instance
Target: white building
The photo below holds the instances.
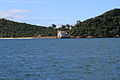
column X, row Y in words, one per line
column 62, row 34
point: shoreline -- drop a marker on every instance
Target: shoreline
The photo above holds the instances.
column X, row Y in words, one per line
column 19, row 38
column 76, row 37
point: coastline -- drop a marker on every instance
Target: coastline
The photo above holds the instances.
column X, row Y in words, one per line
column 30, row 38
column 19, row 38
column 55, row 37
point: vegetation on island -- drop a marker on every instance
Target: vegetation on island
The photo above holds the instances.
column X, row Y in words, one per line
column 14, row 29
column 107, row 24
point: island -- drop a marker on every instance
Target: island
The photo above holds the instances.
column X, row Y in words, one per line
column 106, row 25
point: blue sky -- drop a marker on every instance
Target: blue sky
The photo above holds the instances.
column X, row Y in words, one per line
column 47, row 12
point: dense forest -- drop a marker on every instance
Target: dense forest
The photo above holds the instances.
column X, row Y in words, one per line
column 107, row 24
column 14, row 29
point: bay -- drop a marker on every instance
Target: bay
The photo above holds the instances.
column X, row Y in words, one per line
column 60, row 59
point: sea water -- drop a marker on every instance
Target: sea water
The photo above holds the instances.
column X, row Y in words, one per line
column 60, row 59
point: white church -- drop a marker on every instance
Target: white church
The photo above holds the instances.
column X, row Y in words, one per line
column 62, row 34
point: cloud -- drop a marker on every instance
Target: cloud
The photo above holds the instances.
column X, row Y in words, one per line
column 13, row 14
column 17, row 11
column 21, row 1
column 14, row 17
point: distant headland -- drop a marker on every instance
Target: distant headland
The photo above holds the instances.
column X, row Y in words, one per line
column 105, row 25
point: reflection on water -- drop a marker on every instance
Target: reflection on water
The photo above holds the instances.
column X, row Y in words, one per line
column 60, row 59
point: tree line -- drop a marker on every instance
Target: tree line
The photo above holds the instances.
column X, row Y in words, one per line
column 14, row 29
column 107, row 24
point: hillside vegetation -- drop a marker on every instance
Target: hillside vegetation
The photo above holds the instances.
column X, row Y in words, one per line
column 14, row 29
column 107, row 24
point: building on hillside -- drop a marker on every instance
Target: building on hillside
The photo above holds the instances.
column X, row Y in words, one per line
column 62, row 34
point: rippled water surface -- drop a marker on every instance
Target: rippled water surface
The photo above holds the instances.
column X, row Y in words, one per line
column 60, row 59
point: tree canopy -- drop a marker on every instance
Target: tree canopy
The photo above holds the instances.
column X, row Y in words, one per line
column 107, row 24
column 14, row 29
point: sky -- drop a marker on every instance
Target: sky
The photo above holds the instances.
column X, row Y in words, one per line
column 59, row 12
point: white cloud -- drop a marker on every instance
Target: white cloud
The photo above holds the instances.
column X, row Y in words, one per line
column 14, row 17
column 17, row 11
column 13, row 14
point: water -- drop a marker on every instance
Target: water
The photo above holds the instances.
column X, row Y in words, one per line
column 60, row 59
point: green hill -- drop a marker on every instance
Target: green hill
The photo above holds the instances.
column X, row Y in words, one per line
column 111, row 13
column 14, row 29
column 107, row 24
